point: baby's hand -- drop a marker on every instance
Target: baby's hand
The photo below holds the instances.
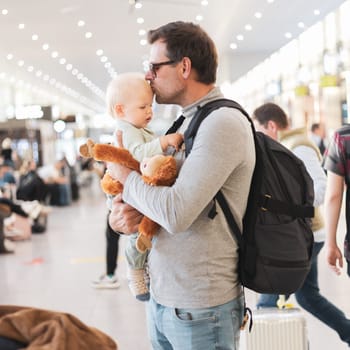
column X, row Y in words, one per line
column 175, row 140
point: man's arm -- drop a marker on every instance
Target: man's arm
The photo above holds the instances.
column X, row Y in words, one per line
column 332, row 206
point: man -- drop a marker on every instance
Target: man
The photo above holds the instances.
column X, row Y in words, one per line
column 336, row 162
column 196, row 298
column 272, row 120
column 318, row 136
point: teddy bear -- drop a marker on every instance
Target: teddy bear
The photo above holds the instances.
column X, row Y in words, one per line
column 158, row 170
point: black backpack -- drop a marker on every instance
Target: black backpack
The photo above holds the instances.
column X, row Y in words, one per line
column 276, row 243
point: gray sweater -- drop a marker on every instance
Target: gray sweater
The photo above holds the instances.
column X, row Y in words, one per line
column 193, row 261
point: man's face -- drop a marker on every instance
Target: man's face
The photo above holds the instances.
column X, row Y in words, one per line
column 166, row 80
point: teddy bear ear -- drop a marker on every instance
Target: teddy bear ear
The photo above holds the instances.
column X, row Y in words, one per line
column 84, row 150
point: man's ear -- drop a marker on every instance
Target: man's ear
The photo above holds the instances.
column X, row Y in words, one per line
column 186, row 67
column 119, row 110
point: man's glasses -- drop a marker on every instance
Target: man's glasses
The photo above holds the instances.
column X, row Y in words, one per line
column 153, row 67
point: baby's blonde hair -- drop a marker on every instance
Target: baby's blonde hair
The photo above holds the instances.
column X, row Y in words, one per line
column 122, row 87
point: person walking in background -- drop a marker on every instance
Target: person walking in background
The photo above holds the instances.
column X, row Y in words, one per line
column 318, row 136
column 336, row 162
column 196, row 298
column 272, row 121
column 129, row 101
column 109, row 279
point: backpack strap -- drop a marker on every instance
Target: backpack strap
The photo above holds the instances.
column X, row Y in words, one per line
column 176, row 125
column 202, row 112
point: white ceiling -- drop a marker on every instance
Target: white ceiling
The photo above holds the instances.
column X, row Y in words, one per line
column 115, row 31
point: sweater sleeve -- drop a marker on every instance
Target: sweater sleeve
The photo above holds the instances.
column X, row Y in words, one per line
column 218, row 151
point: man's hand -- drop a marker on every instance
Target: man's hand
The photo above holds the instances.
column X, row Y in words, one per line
column 334, row 258
column 124, row 218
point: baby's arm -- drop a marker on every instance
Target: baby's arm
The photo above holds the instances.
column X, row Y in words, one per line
column 174, row 140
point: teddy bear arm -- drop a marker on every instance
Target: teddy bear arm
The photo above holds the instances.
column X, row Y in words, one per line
column 110, row 185
column 147, row 227
column 143, row 243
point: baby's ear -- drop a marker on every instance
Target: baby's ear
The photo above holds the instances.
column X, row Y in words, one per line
column 119, row 110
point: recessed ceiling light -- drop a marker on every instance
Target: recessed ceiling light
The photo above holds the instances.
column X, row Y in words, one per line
column 104, row 59
column 54, row 54
column 301, row 25
column 317, row 12
column 30, row 68
column 248, row 27
column 204, row 3
column 9, row 56
column 99, row 52
column 140, row 20
column 75, row 71
column 62, row 60
column 143, row 42
column 81, row 23
column 20, row 63
column 45, row 46
column 240, row 37
column 88, row 35
column 38, row 73
column 270, row 1
column 4, row 12
column 288, row 35
column 138, row 5
column 69, row 66
column 142, row 32
column 21, row 26
column 233, row 46
column 35, row 37
column 199, row 18
column 258, row 15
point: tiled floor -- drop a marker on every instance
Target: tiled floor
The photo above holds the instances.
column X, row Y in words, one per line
column 54, row 271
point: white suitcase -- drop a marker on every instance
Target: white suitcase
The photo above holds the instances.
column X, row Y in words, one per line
column 275, row 329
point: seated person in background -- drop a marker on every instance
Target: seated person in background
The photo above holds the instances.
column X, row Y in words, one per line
column 30, row 186
column 57, row 183
column 7, row 179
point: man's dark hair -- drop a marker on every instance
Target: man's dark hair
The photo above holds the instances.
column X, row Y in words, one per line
column 185, row 39
column 271, row 111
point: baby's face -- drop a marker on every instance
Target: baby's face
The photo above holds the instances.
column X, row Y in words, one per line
column 138, row 109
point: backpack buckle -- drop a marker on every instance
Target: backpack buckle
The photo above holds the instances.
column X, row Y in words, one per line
column 264, row 204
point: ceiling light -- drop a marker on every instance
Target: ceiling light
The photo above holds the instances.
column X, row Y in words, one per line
column 35, row 37
column 204, row 3
column 233, row 46
column 21, row 26
column 140, row 20
column 88, row 35
column 75, row 71
column 45, row 46
column 143, row 42
column 240, row 37
column 104, row 59
column 62, row 60
column 9, row 56
column 99, row 52
column 142, row 32
column 199, row 18
column 258, row 15
column 30, row 68
column 69, row 66
column 138, row 5
column 81, row 23
column 301, row 25
column 38, row 73
column 270, row 1
column 20, row 63
column 248, row 27
column 4, row 12
column 54, row 54
column 288, row 35
column 317, row 12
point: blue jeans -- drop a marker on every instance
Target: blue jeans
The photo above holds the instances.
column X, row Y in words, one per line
column 310, row 299
column 195, row 329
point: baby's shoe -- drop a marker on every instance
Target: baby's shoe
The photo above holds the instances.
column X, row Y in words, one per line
column 137, row 284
